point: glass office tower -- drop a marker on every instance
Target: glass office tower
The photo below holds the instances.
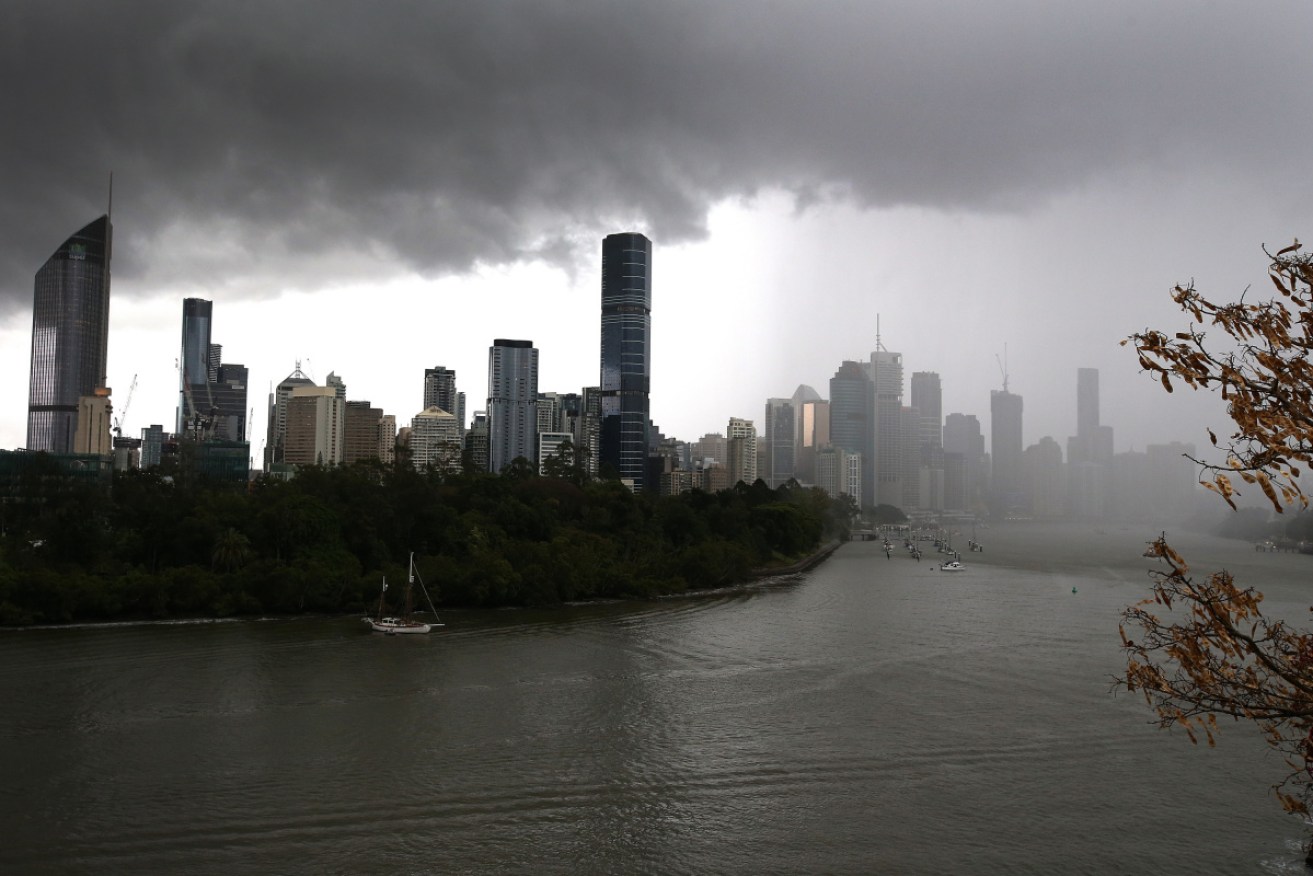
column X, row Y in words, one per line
column 194, row 360
column 626, row 354
column 70, row 335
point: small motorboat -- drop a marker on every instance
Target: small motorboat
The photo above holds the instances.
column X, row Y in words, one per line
column 952, row 566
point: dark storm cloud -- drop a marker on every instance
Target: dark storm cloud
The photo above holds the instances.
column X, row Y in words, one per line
column 249, row 139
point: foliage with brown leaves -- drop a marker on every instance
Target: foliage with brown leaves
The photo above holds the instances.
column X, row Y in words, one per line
column 1200, row 649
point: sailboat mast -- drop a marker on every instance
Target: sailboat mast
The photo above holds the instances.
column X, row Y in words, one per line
column 410, row 584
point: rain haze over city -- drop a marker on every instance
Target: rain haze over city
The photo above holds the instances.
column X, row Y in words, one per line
column 1005, row 190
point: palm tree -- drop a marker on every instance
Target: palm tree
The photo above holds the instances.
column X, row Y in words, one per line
column 231, row 550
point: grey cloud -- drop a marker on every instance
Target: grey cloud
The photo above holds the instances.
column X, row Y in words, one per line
column 441, row 135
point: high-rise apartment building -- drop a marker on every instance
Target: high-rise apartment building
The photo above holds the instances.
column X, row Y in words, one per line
column 435, row 440
column 512, row 403
column 741, row 449
column 476, row 441
column 387, row 439
column 626, row 363
column 440, row 390
column 70, row 335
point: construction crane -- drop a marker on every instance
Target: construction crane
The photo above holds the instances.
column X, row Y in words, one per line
column 1002, row 366
column 119, row 420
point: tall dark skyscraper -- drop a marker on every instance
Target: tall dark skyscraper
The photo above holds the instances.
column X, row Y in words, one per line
column 440, row 391
column 70, row 335
column 626, row 354
column 211, row 392
column 194, row 359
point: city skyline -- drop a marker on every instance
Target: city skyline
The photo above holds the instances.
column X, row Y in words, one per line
column 976, row 183
column 197, row 316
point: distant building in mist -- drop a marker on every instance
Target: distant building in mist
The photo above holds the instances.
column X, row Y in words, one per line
column 780, row 430
column 964, row 462
column 886, row 371
column 852, row 418
column 70, row 335
column 1007, row 488
column 626, row 355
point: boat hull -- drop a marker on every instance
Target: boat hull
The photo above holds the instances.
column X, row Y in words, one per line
column 397, row 628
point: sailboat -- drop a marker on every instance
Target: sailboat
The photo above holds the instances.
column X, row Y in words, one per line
column 405, row 623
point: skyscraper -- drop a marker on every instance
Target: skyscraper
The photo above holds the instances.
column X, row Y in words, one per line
column 852, row 419
column 927, row 398
column 1007, row 488
column 780, row 434
column 440, row 390
column 194, row 359
column 741, row 449
column 211, row 393
column 276, row 440
column 512, row 402
column 70, row 335
column 626, row 372
column 964, row 457
column 887, row 377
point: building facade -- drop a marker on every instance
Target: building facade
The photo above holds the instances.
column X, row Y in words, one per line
column 440, row 391
column 626, row 350
column 70, row 335
column 512, row 403
column 1007, row 487
column 360, row 432
column 852, row 419
column 316, row 426
column 435, row 440
column 781, row 442
column 887, row 380
column 741, row 450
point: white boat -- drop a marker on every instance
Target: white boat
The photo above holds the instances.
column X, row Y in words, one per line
column 952, row 566
column 405, row 623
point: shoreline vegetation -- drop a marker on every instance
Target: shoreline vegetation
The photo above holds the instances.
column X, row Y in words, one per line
column 149, row 547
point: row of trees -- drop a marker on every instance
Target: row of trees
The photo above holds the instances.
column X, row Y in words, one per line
column 158, row 546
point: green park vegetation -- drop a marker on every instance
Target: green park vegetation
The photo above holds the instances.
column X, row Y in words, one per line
column 149, row 545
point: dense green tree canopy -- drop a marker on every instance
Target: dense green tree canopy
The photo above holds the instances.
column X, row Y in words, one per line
column 153, row 546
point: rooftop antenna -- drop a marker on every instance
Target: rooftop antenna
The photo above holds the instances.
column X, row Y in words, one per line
column 109, row 209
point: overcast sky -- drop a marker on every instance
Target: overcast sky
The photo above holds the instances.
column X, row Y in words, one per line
column 373, row 189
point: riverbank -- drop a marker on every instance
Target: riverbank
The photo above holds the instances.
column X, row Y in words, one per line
column 804, row 565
